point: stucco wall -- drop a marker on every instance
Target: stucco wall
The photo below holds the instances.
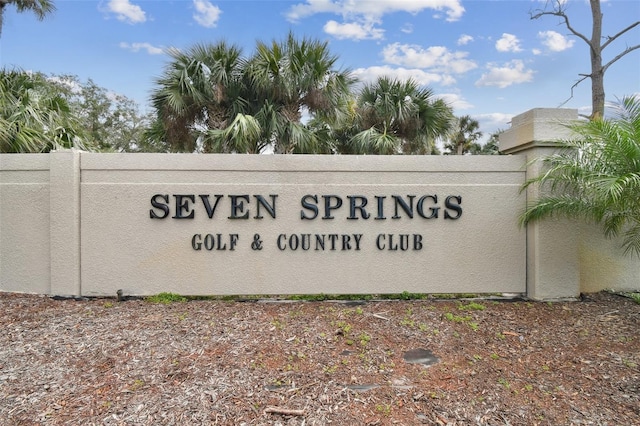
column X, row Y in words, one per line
column 76, row 223
column 144, row 255
column 24, row 223
column 104, row 238
column 564, row 257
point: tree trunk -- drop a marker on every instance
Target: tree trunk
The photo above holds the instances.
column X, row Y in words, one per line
column 596, row 46
column 597, row 71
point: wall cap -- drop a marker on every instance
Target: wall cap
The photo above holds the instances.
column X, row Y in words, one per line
column 538, row 127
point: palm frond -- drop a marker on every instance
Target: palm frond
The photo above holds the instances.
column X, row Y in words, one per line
column 374, row 142
column 596, row 175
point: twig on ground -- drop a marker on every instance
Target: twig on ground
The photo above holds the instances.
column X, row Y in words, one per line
column 380, row 317
column 285, row 411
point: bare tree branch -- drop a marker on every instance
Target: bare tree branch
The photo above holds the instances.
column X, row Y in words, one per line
column 597, row 43
column 584, row 77
column 612, row 38
column 560, row 12
column 620, row 55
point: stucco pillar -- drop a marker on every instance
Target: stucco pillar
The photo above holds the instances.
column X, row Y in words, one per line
column 553, row 263
column 65, row 222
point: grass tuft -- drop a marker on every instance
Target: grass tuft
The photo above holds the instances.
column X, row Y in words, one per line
column 166, row 298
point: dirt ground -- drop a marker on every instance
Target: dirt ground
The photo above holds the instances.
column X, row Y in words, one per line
column 101, row 361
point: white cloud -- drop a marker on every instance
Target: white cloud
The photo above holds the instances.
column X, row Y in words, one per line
column 464, row 39
column 407, row 28
column 435, row 58
column 353, row 30
column 456, row 101
column 206, row 14
column 513, row 72
column 369, row 75
column 495, row 120
column 374, row 9
column 360, row 18
column 136, row 47
column 508, row 43
column 126, row 11
column 554, row 41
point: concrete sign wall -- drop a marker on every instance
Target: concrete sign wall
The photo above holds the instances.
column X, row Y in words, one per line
column 76, row 223
column 242, row 224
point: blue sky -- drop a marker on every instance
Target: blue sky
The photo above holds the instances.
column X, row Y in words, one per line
column 487, row 58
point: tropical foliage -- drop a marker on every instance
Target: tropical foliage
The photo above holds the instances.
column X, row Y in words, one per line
column 490, row 147
column 288, row 97
column 105, row 120
column 289, row 79
column 200, row 90
column 398, row 116
column 39, row 113
column 463, row 135
column 212, row 99
column 34, row 118
column 596, row 176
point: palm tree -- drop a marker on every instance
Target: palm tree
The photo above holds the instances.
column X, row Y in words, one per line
column 289, row 79
column 34, row 116
column 596, row 176
column 211, row 99
column 397, row 116
column 336, row 130
column 200, row 90
column 490, row 147
column 41, row 8
column 463, row 135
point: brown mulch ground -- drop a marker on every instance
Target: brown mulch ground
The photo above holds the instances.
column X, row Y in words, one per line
column 213, row 362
